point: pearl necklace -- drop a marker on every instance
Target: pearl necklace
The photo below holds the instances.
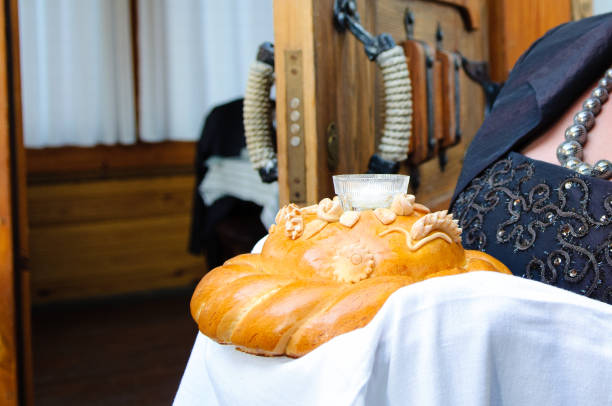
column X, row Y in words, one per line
column 569, row 153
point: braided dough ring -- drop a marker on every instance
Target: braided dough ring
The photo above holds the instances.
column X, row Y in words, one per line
column 323, row 272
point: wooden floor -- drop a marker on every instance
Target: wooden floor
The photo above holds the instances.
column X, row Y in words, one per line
column 125, row 351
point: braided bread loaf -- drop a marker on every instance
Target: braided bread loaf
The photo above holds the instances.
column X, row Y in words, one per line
column 323, row 272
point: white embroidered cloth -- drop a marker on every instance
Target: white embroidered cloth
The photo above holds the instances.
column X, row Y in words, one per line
column 480, row 338
column 235, row 176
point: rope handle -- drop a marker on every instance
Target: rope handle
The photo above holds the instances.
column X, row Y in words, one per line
column 257, row 114
column 397, row 130
column 395, row 142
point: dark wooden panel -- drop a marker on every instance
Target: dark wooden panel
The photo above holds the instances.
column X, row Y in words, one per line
column 348, row 87
column 8, row 327
column 20, row 213
column 437, row 186
column 9, row 373
column 107, row 237
column 344, row 94
column 516, row 24
column 125, row 351
column 109, row 200
column 111, row 257
column 469, row 9
column 66, row 163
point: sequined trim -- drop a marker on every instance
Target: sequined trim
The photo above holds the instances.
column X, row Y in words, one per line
column 507, row 207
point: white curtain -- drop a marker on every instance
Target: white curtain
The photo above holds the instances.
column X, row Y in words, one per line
column 602, row 6
column 77, row 68
column 76, row 72
column 193, row 55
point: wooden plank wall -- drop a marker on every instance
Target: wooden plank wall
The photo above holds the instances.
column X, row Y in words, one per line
column 342, row 87
column 345, row 89
column 294, row 33
column 9, row 372
column 517, row 23
column 437, row 186
column 111, row 220
column 345, row 93
column 20, row 213
column 100, row 237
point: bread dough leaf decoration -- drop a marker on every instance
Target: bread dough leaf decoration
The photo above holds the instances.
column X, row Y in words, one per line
column 332, row 283
column 439, row 220
column 294, row 227
column 353, row 263
column 349, row 218
column 294, row 222
column 421, row 231
column 287, row 212
column 385, row 216
column 313, row 227
column 403, row 204
column 422, row 208
column 312, row 209
column 330, row 210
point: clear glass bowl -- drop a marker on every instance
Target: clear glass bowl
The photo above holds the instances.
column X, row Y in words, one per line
column 371, row 191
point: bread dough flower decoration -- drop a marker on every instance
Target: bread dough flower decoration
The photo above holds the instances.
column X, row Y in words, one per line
column 327, row 211
column 404, row 205
column 330, row 210
column 353, row 263
column 308, row 286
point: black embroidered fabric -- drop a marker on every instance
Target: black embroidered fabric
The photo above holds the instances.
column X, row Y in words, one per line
column 543, row 221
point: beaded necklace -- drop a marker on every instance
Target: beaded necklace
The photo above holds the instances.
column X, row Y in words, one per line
column 569, row 153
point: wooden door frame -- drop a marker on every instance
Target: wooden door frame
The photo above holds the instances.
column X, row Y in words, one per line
column 15, row 360
column 338, row 86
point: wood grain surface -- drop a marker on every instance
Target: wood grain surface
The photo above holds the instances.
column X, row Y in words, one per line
column 348, row 87
column 516, row 24
column 446, row 81
column 437, row 186
column 120, row 351
column 469, row 9
column 9, row 373
column 416, row 59
column 104, row 162
column 20, row 212
column 97, row 238
column 293, row 28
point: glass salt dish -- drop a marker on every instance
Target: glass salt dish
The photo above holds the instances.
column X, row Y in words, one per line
column 369, row 191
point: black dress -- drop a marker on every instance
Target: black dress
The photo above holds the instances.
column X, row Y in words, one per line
column 544, row 221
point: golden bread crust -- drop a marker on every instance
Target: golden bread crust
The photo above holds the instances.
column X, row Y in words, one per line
column 323, row 272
